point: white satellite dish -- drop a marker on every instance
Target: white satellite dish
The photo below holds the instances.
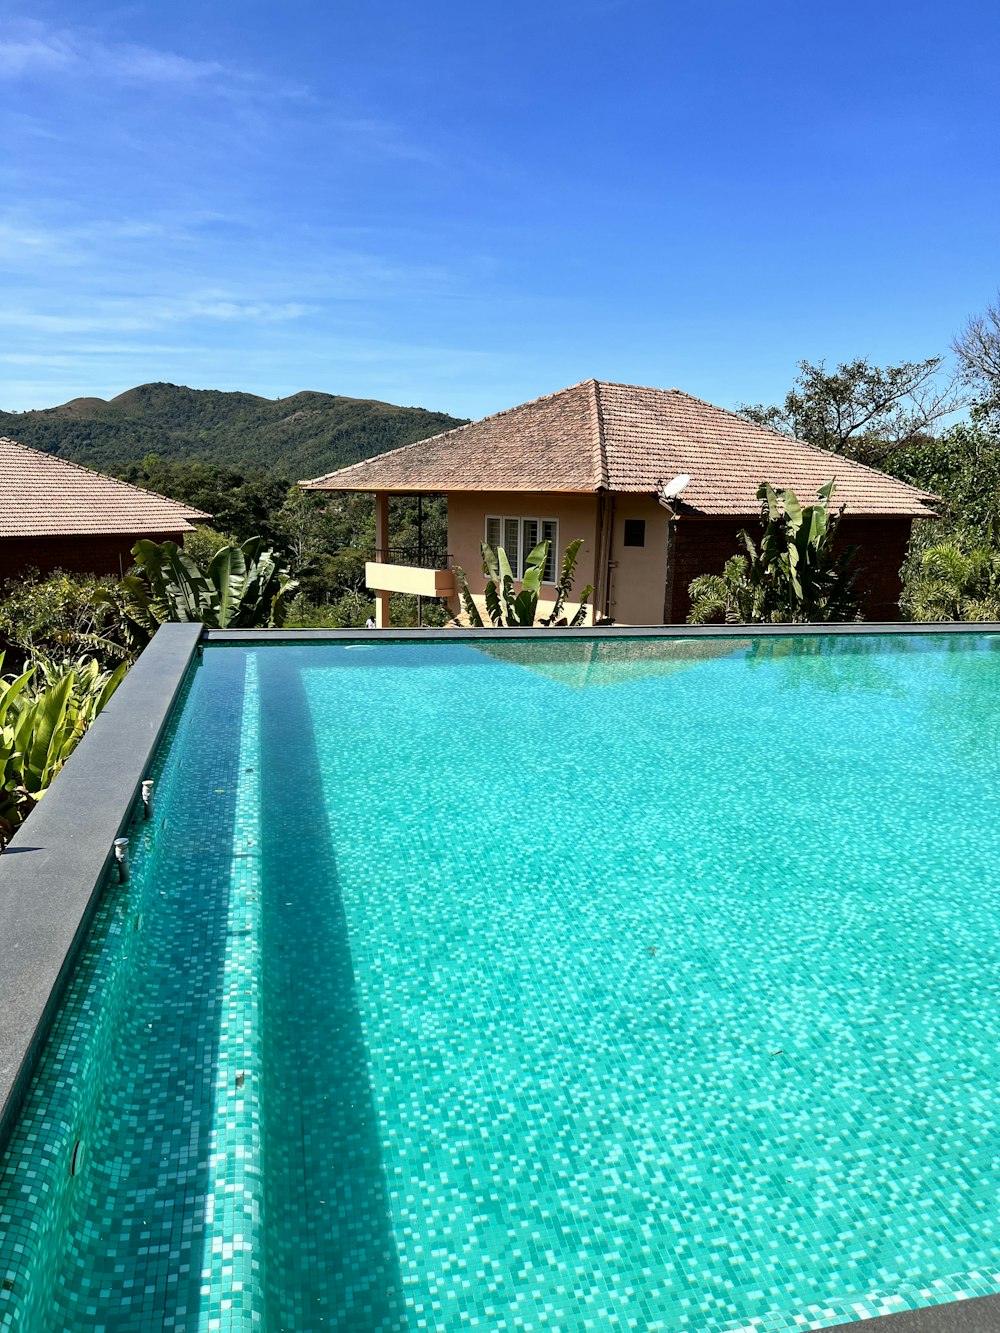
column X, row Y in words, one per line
column 672, row 489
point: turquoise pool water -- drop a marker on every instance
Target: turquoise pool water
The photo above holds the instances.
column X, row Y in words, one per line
column 535, row 986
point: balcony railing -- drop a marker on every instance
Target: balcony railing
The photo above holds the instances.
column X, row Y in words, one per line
column 420, row 557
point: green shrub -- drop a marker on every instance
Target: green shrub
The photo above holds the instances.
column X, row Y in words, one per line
column 44, row 712
column 204, row 542
column 348, row 612
column 953, row 580
column 67, row 613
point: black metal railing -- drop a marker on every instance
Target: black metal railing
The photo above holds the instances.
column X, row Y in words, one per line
column 423, row 557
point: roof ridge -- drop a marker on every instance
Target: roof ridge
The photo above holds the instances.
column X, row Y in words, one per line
column 104, row 476
column 454, row 430
column 601, row 443
column 653, row 388
column 805, row 444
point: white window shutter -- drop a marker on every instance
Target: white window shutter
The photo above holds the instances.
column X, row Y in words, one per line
column 511, row 542
column 550, row 534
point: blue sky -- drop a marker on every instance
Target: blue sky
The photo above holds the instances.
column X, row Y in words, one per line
column 464, row 205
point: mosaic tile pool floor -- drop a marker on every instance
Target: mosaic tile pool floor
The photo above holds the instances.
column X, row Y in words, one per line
column 651, row 989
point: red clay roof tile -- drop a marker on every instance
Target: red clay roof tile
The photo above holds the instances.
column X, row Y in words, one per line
column 626, row 438
column 45, row 496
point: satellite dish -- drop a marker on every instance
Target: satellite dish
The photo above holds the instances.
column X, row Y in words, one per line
column 672, row 489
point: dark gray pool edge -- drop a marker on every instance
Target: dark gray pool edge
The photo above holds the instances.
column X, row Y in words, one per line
column 977, row 1314
column 52, row 870
column 51, row 873
column 863, row 627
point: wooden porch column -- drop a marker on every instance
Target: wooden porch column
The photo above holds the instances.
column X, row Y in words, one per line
column 382, row 555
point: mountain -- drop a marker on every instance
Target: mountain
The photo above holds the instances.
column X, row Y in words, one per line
column 301, row 436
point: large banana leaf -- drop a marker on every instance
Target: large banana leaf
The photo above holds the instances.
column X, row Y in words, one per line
column 243, row 587
column 471, row 609
column 180, row 590
column 228, row 576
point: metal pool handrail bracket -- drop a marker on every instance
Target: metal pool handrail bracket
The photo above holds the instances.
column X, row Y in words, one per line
column 51, row 872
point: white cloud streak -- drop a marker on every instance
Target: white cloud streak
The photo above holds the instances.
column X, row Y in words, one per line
column 140, row 316
column 32, row 50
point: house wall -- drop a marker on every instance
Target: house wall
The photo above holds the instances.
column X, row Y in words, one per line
column 702, row 546
column 638, row 573
column 577, row 516
column 75, row 555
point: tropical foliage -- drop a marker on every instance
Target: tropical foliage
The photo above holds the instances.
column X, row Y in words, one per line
column 949, row 583
column 44, row 712
column 508, row 609
column 892, row 416
column 67, row 613
column 795, row 575
column 244, row 587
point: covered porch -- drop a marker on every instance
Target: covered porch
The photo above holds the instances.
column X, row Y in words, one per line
column 417, row 570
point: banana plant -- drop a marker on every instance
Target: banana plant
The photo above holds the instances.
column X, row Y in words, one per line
column 508, row 609
column 794, row 576
column 244, row 587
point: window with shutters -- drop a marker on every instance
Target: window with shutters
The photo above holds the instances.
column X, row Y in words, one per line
column 519, row 537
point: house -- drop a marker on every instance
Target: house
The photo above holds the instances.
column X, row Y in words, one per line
column 60, row 515
column 593, row 461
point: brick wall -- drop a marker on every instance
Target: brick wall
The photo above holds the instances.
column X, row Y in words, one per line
column 75, row 555
column 702, row 546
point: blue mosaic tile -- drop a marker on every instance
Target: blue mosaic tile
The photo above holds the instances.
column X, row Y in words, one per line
column 588, row 986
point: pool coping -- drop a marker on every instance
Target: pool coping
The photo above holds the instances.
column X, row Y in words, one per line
column 973, row 1314
column 53, row 869
column 783, row 630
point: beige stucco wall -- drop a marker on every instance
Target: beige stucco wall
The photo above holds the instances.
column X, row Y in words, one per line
column 638, row 573
column 409, row 579
column 576, row 514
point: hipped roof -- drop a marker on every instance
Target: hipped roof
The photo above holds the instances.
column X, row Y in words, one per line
column 625, row 438
column 45, row 496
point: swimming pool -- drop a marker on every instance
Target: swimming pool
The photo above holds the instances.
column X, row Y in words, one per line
column 516, row 985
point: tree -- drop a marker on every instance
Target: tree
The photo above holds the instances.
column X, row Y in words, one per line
column 795, row 575
column 978, row 350
column 962, row 466
column 861, row 410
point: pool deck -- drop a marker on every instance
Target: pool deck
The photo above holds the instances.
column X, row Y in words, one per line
column 53, row 869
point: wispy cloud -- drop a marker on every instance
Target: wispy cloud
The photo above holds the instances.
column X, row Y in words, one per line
column 30, row 49
column 140, row 316
column 380, row 138
column 30, row 54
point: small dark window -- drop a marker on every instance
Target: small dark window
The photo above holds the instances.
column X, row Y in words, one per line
column 635, row 532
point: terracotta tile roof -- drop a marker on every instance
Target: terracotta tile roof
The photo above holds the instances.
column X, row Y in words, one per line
column 45, row 496
column 625, row 438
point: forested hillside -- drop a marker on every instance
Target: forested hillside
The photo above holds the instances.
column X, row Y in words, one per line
column 300, row 436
